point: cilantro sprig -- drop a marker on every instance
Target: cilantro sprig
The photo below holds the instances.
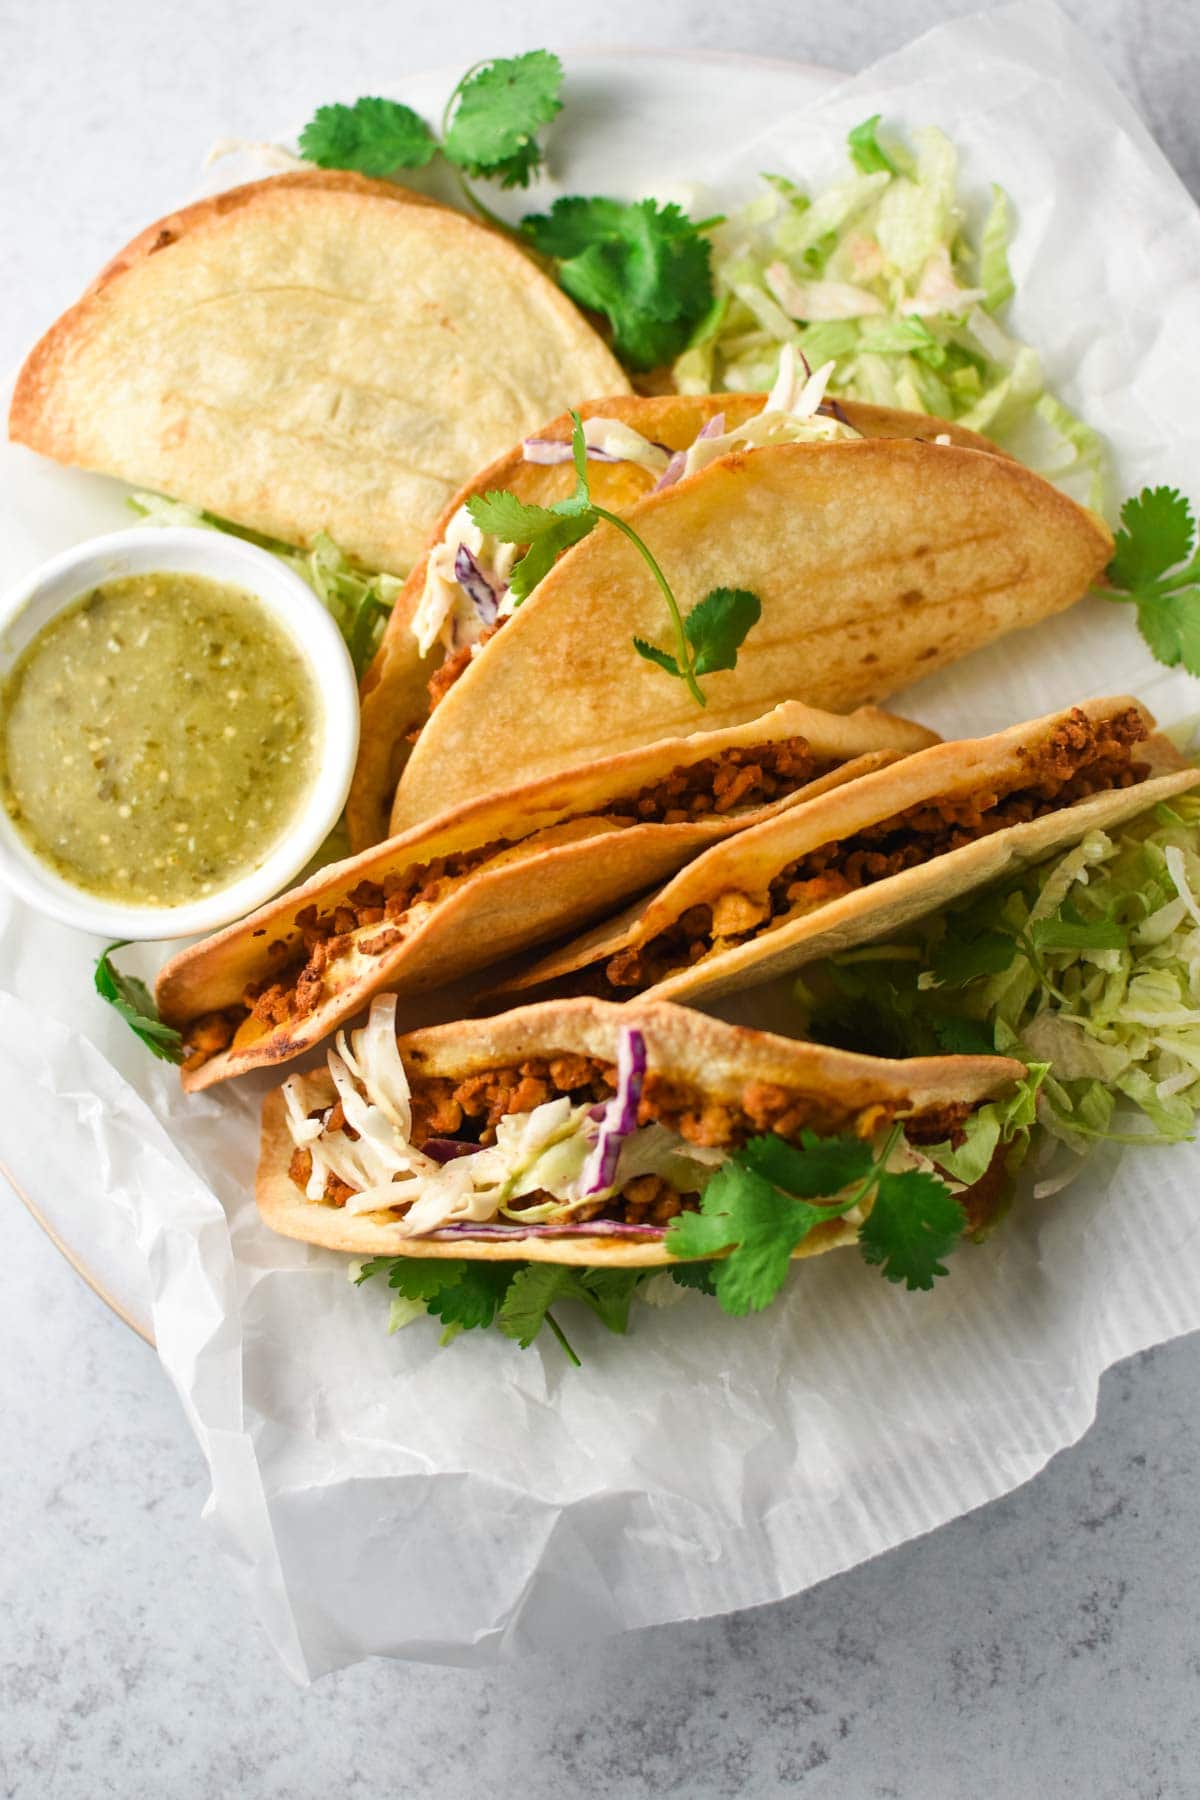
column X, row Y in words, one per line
column 755, row 1211
column 706, row 640
column 762, row 1204
column 489, row 127
column 514, row 1297
column 642, row 266
column 1156, row 568
column 132, row 1000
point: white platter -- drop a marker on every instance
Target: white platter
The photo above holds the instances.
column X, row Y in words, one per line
column 636, row 122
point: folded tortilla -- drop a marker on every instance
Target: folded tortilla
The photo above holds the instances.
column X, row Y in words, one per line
column 876, row 561
column 487, row 880
column 313, row 352
column 396, row 691
column 435, row 1096
column 861, row 863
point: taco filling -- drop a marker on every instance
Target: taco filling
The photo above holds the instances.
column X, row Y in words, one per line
column 555, row 1145
column 1080, row 757
column 376, row 915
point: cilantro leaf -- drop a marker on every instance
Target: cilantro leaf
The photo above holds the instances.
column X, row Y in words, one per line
column 742, row 1212
column 1170, row 624
column 609, row 1292
column 471, row 1300
column 964, row 1037
column 573, row 225
column 421, row 1277
column 959, row 959
column 866, row 152
column 698, row 1275
column 532, row 1292
column 1154, row 565
column 820, row 1167
column 133, row 1001
column 500, row 514
column 500, row 107
column 374, row 136
column 1157, row 531
column 547, row 530
column 914, row 1222
column 717, row 626
column 538, row 1286
column 544, row 552
column 653, row 654
column 644, row 267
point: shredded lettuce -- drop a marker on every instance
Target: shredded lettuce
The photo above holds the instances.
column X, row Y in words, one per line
column 881, row 273
column 1086, row 967
column 359, row 602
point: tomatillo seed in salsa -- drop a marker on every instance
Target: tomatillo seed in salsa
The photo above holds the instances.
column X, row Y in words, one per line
column 157, row 738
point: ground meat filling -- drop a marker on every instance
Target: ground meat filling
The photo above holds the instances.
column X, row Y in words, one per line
column 470, row 1110
column 738, row 778
column 457, row 663
column 1081, row 757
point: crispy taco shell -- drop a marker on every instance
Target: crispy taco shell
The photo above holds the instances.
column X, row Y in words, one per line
column 312, row 352
column 395, row 688
column 740, row 880
column 716, row 1061
column 526, row 866
column 876, row 561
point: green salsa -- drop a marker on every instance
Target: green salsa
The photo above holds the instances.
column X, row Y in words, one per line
column 157, row 738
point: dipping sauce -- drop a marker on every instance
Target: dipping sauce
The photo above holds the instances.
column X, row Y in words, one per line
column 157, row 738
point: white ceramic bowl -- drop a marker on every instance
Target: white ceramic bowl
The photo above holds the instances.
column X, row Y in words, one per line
column 29, row 605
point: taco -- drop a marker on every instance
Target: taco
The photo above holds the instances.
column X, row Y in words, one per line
column 575, row 1131
column 456, row 598
column 486, row 880
column 874, row 560
column 316, row 352
column 859, row 864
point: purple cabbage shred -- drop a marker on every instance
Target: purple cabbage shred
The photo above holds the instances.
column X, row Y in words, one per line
column 620, row 1115
column 475, row 584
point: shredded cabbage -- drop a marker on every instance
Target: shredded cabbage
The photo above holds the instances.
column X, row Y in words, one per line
column 1086, row 967
column 881, row 274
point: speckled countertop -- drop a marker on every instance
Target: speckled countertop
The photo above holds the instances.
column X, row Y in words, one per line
column 1045, row 1645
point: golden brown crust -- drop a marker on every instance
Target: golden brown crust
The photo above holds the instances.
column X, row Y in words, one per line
column 566, row 863
column 28, row 418
column 880, row 910
column 394, row 693
column 875, row 561
column 286, row 376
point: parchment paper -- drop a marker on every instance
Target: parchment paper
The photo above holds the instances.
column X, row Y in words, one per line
column 380, row 1495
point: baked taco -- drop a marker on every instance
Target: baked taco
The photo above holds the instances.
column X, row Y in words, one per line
column 873, row 561
column 859, row 864
column 316, row 352
column 575, row 1131
column 487, row 880
column 455, row 598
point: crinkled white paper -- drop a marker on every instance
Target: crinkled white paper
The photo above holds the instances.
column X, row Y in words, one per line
column 382, row 1496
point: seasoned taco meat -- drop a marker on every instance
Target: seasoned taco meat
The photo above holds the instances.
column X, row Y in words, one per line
column 738, row 778
column 470, row 1109
column 1081, row 756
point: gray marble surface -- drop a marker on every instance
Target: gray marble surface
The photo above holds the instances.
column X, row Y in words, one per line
column 1047, row 1644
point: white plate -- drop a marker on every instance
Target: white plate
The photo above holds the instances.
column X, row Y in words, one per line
column 636, row 122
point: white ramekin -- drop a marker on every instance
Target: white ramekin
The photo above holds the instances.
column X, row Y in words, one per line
column 31, row 603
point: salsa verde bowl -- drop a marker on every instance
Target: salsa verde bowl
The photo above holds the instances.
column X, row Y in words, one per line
column 295, row 612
